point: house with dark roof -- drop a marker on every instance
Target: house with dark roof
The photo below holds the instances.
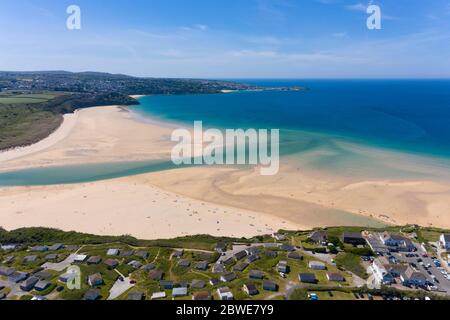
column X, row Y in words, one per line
column 111, row 263
column 335, row 277
column 135, row 264
column 155, row 275
column 413, row 278
column 9, row 259
column 51, row 257
column 41, row 285
column 240, row 255
column 201, row 296
column 228, row 277
column 228, row 261
column 178, row 253
column 317, row 265
column 136, row 296
column 94, row 260
column 295, row 255
column 142, row 253
column 184, row 263
column 29, row 284
column 214, row 281
column 252, row 258
column 126, row 253
column 353, row 238
column 6, row 272
column 250, row 289
column 397, row 242
column 92, row 295
column 202, row 265
column 95, row 279
column 240, row 266
column 43, row 275
column 271, row 254
column 270, row 285
column 307, row 278
column 56, row 247
column 318, row 237
column 198, row 284
column 256, row 274
column 287, row 247
column 166, row 285
column 39, row 249
column 218, row 268
column 149, row 267
column 18, row 276
column 30, row 259
column 221, row 247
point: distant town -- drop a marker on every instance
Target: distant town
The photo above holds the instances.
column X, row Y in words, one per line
column 399, row 263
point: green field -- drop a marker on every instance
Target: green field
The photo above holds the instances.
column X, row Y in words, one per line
column 25, row 98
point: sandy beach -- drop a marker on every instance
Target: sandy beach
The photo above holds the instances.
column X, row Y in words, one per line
column 221, row 201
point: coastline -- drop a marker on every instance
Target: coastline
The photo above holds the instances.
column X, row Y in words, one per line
column 249, row 203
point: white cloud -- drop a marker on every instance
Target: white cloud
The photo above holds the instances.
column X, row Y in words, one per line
column 357, row 7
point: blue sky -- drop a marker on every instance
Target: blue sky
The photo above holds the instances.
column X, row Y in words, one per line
column 229, row 39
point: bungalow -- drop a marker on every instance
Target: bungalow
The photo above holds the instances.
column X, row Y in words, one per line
column 240, row 266
column 270, row 285
column 43, row 275
column 353, row 238
column 396, row 270
column 135, row 264
column 184, row 263
column 445, row 241
column 6, row 272
column 56, row 247
column 287, row 247
column 283, row 267
column 271, row 254
column 178, row 253
column 279, row 236
column 41, row 285
column 252, row 250
column 94, row 260
column 39, row 249
column 202, row 265
column 67, row 277
column 201, row 296
column 166, row 285
column 335, row 277
column 142, row 253
column 179, row 292
column 9, row 259
column 92, row 295
column 218, row 268
column 307, row 277
column 8, row 247
column 317, row 265
column 198, row 284
column 397, row 241
column 183, row 284
column 111, row 263
column 135, row 296
column 29, row 284
column 228, row 277
column 250, row 289
column 80, row 258
column 158, row 296
column 51, row 257
column 95, row 280
column 225, row 294
column 228, row 261
column 256, row 274
column 113, row 252
column 17, row 276
column 295, row 256
column 126, row 253
column 413, row 278
column 240, row 255
column 30, row 259
column 214, row 281
column 155, row 275
column 221, row 247
column 252, row 258
column 149, row 267
column 319, row 237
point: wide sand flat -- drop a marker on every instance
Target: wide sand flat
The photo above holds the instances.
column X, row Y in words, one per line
column 226, row 201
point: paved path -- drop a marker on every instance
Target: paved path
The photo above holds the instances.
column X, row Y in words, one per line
column 119, row 288
column 60, row 266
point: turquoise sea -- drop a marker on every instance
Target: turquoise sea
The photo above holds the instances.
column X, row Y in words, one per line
column 335, row 125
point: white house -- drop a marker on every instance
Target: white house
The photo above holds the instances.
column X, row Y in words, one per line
column 445, row 241
column 381, row 274
column 316, row 265
column 225, row 293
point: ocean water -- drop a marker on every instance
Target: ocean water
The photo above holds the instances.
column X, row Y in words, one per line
column 333, row 126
